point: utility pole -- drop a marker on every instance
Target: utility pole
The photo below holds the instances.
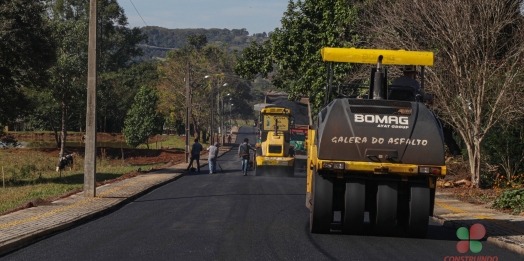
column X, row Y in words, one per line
column 90, row 142
column 188, row 111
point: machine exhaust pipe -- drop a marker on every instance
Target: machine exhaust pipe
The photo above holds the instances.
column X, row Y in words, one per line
column 380, row 91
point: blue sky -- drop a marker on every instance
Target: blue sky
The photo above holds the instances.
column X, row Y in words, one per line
column 256, row 16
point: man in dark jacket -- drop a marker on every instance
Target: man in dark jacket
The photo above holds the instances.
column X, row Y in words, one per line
column 243, row 153
column 195, row 155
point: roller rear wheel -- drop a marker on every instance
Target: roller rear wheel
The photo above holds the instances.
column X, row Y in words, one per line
column 419, row 211
column 354, row 207
column 321, row 213
column 386, row 208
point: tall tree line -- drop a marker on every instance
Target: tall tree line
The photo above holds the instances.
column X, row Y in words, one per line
column 43, row 68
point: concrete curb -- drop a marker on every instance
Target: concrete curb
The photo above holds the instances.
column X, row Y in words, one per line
column 501, row 242
column 20, row 242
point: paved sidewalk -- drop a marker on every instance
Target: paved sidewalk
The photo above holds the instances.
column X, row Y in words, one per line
column 26, row 226
column 503, row 230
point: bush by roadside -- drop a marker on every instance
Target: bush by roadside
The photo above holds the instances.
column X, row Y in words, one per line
column 497, row 190
column 511, row 200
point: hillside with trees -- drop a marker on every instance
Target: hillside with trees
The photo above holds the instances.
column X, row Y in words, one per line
column 161, row 40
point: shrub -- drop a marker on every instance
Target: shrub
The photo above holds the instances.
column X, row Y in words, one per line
column 488, row 179
column 512, row 199
column 516, row 181
column 26, row 169
column 10, row 140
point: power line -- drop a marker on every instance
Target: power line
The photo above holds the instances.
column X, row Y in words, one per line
column 138, row 12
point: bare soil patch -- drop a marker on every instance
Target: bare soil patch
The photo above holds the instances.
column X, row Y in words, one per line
column 458, row 184
column 130, row 156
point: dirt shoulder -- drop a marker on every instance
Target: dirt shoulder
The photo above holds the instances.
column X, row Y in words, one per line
column 457, row 184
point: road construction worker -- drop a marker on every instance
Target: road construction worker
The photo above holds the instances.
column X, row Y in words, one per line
column 243, row 153
column 408, row 79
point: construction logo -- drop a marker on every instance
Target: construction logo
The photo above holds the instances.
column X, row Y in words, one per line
column 469, row 239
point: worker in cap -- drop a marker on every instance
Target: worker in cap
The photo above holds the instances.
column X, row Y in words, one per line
column 408, row 79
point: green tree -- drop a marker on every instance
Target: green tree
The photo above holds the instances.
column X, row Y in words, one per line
column 26, row 51
column 46, row 112
column 197, row 41
column 119, row 89
column 69, row 73
column 211, row 60
column 294, row 49
column 504, row 150
column 172, row 85
column 142, row 119
column 117, row 46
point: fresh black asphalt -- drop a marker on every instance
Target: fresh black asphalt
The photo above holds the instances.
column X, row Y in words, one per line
column 227, row 216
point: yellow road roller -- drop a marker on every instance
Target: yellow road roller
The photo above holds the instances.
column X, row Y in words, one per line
column 375, row 150
column 272, row 153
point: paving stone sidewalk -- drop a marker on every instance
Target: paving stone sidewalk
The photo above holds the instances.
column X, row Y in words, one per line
column 24, row 227
column 502, row 229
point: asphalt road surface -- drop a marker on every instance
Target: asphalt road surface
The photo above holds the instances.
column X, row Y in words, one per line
column 227, row 216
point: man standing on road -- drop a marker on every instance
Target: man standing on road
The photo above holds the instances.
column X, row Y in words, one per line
column 291, row 151
column 212, row 158
column 195, row 155
column 243, row 153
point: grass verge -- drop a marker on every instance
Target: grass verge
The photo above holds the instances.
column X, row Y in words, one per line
column 30, row 175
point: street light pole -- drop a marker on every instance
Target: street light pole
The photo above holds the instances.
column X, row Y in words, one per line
column 222, row 122
column 218, row 114
column 223, row 132
column 188, row 112
column 230, row 125
column 221, row 136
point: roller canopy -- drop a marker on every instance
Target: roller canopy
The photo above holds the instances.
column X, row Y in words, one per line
column 370, row 56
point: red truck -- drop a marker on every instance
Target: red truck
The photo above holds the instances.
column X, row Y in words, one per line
column 298, row 139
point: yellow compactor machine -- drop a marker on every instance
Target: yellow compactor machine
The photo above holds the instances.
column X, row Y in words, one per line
column 272, row 157
column 375, row 149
